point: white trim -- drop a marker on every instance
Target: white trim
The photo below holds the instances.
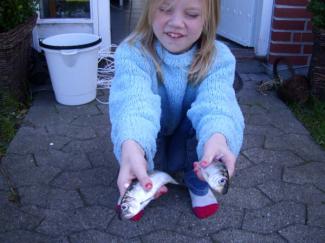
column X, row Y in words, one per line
column 103, row 24
column 263, row 35
column 36, row 39
column 95, row 15
column 64, row 21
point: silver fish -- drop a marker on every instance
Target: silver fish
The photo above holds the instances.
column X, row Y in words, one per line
column 136, row 198
column 216, row 175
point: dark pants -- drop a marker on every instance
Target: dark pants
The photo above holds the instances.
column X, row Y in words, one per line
column 177, row 152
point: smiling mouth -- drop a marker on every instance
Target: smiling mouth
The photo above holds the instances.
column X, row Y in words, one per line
column 174, row 35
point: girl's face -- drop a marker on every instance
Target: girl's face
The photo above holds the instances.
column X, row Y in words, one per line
column 178, row 24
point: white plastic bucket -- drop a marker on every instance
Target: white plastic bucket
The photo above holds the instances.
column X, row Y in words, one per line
column 72, row 60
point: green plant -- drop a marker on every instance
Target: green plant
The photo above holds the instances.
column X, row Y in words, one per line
column 15, row 12
column 11, row 114
column 312, row 115
column 317, row 8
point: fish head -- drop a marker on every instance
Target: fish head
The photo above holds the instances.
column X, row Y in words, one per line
column 130, row 208
column 218, row 177
column 219, row 183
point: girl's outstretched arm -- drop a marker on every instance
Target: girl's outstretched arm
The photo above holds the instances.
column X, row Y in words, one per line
column 134, row 109
column 216, row 111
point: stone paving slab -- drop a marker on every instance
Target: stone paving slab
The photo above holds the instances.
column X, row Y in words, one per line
column 279, row 191
column 303, row 145
column 262, row 130
column 248, row 198
column 316, row 215
column 308, row 173
column 99, row 196
column 302, row 233
column 28, row 236
column 84, row 178
column 97, row 236
column 62, row 165
column 235, row 235
column 257, row 175
column 260, row 155
column 37, row 140
column 23, row 171
column 156, row 218
column 227, row 217
column 68, row 161
column 11, row 218
column 169, row 236
column 275, row 217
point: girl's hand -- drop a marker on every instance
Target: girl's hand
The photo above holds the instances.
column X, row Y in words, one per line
column 134, row 166
column 216, row 147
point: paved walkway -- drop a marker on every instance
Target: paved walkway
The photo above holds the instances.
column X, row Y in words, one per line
column 61, row 161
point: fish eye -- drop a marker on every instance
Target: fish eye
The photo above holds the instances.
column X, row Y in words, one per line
column 124, row 207
column 222, row 181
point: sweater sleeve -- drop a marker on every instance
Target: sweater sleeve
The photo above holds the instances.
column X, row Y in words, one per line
column 134, row 109
column 215, row 109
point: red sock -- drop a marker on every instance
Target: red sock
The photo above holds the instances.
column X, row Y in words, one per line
column 138, row 216
column 206, row 211
column 204, row 206
column 135, row 218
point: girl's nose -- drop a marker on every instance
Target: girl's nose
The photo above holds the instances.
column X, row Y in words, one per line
column 176, row 20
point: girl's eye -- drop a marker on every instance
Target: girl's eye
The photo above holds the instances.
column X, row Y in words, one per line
column 192, row 15
column 165, row 9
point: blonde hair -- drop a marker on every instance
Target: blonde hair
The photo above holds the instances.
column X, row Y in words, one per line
column 206, row 47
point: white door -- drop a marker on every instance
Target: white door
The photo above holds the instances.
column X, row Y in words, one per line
column 237, row 21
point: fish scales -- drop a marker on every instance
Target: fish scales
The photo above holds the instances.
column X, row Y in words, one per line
column 216, row 175
column 136, row 198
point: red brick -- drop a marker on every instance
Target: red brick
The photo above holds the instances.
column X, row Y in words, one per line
column 308, row 49
column 281, row 36
column 303, row 37
column 309, row 25
column 288, row 25
column 295, row 60
column 292, row 2
column 285, row 48
column 291, row 13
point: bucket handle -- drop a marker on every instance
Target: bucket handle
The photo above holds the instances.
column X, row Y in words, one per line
column 69, row 52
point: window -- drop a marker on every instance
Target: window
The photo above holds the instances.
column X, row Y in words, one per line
column 65, row 9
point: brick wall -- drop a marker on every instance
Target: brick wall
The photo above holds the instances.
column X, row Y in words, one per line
column 291, row 32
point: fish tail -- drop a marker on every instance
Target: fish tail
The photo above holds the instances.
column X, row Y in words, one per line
column 173, row 181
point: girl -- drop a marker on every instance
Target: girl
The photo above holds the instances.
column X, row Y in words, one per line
column 173, row 82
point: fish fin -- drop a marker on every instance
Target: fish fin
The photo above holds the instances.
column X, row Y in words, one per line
column 119, row 200
column 118, row 211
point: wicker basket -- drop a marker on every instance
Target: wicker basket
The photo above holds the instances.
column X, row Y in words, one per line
column 15, row 49
column 317, row 66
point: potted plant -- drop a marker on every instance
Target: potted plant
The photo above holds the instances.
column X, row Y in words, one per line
column 17, row 20
column 317, row 66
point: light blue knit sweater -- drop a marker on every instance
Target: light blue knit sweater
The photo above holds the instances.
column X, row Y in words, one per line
column 140, row 106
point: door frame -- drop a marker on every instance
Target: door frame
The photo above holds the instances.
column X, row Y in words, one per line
column 263, row 27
